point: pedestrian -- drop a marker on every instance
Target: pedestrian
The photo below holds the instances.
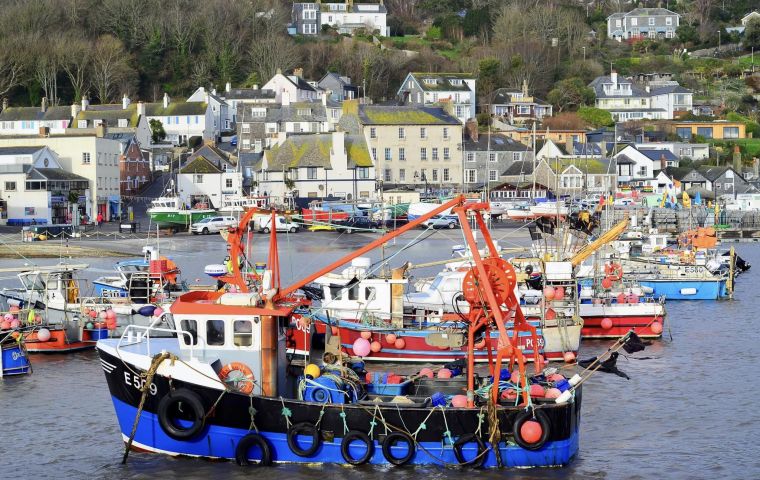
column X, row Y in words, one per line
column 99, row 220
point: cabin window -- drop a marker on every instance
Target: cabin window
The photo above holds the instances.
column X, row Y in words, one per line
column 335, row 292
column 191, row 327
column 215, row 332
column 370, row 293
column 242, row 333
column 353, row 293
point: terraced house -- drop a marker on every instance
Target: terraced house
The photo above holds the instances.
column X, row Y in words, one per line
column 639, row 23
column 435, row 89
column 334, row 164
column 411, row 144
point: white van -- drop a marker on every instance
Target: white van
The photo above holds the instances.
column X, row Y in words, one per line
column 264, row 224
column 213, row 225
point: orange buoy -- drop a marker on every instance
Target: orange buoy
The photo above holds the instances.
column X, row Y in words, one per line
column 550, row 314
column 621, row 298
column 400, row 343
column 531, row 431
column 375, row 346
column 549, row 293
column 243, row 385
column 569, row 357
column 606, row 323
column 366, row 335
column 656, row 328
column 559, row 293
column 390, row 338
column 606, row 283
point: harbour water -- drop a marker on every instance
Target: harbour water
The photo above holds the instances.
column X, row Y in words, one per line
column 687, row 411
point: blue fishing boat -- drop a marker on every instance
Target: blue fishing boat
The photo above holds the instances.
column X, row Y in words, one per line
column 678, row 281
column 13, row 357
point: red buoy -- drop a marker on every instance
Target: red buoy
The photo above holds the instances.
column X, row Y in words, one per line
column 531, row 431
column 549, row 293
column 606, row 283
column 656, row 328
column 569, row 357
column 537, row 391
column 366, row 335
column 606, row 323
column 621, row 298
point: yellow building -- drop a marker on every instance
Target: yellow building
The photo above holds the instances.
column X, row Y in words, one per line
column 719, row 129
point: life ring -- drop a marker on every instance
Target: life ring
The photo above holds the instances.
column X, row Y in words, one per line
column 476, row 462
column 307, row 429
column 249, row 441
column 244, row 385
column 614, row 271
column 166, row 416
column 346, row 443
column 524, row 416
column 391, row 440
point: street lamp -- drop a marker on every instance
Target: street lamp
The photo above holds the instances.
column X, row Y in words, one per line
column 584, row 54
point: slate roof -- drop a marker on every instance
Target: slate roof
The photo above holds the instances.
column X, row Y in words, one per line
column 405, row 115
column 713, row 173
column 643, row 12
column 207, row 159
column 249, row 94
column 26, row 150
column 521, row 167
column 655, row 154
column 443, row 81
column 342, row 80
column 60, row 174
column 175, row 108
column 678, row 173
column 669, row 89
column 11, row 114
column 625, row 160
column 300, row 83
column 314, row 151
column 110, row 114
column 503, row 96
column 498, row 143
column 294, row 113
column 597, row 83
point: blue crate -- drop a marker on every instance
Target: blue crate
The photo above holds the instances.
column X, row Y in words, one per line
column 389, row 388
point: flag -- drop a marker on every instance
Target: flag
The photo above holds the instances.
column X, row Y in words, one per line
column 607, row 366
column 634, row 343
column 664, row 198
column 686, row 200
column 698, row 199
column 677, row 183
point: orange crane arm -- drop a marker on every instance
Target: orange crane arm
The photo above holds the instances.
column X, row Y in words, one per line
column 604, row 238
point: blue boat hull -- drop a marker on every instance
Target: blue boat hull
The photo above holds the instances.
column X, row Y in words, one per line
column 108, row 291
column 14, row 361
column 687, row 289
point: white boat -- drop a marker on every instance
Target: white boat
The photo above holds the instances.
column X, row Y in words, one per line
column 419, row 209
column 549, row 209
column 520, row 212
column 171, row 212
column 236, row 205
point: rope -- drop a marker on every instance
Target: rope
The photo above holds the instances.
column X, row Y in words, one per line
column 155, row 363
column 252, row 412
column 286, row 413
column 494, row 433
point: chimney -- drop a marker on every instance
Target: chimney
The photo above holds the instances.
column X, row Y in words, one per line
column 755, row 167
column 663, row 162
column 5, row 103
column 285, row 99
column 85, row 103
column 471, row 128
column 166, row 100
column 737, row 159
column 255, row 86
column 140, row 108
column 44, row 131
column 613, row 77
column 75, row 109
column 298, row 72
column 124, row 102
column 569, row 143
column 43, row 107
column 647, row 88
column 227, row 87
column 525, row 87
column 213, row 91
column 100, row 130
column 338, row 143
column 324, row 98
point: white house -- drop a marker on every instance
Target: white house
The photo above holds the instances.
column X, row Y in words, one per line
column 625, row 100
column 350, row 16
column 322, row 165
column 693, row 151
column 296, row 88
column 639, row 167
column 749, row 17
column 652, row 23
column 457, row 89
column 209, row 174
column 181, row 120
column 674, row 99
column 220, row 111
column 569, row 149
column 29, row 120
column 117, row 118
column 34, row 187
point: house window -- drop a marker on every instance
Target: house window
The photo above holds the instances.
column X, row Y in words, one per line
column 198, row 178
column 374, row 154
column 311, row 173
column 706, row 132
column 651, row 21
column 401, row 175
column 423, row 132
column 402, row 154
column 388, row 156
column 228, row 183
column 362, row 172
column 435, row 153
column 493, row 175
column 515, row 156
column 246, row 128
column 445, row 133
column 470, row 157
column 634, row 21
column 684, row 133
column 246, row 143
column 668, row 20
column 387, row 175
column 293, row 174
column 435, row 174
column 123, row 122
column 10, row 186
column 470, row 175
column 423, row 153
column 372, row 132
column 446, row 153
column 446, row 176
column 86, row 158
column 730, row 132
column 401, row 133
column 491, row 157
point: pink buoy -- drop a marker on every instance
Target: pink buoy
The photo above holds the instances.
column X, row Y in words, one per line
column 111, row 324
column 361, row 347
column 621, row 298
column 509, row 394
column 633, row 298
column 8, row 317
column 537, row 391
column 390, row 338
column 14, row 309
column 5, row 325
column 366, row 335
column 158, row 312
column 38, row 319
column 606, row 323
column 559, row 293
column 444, row 373
column 553, row 393
column 15, row 323
column 555, row 377
column 102, row 315
column 43, row 335
column 550, row 314
column 427, row 372
column 569, row 357
column 375, row 346
column 549, row 293
column 656, row 328
column 515, row 377
column 400, row 343
column 93, row 314
column 459, row 401
column 110, row 314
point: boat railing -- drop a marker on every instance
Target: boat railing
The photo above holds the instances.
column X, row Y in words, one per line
column 135, row 334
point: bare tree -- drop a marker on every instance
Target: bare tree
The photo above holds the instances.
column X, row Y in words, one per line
column 76, row 60
column 110, row 68
column 270, row 49
column 47, row 64
column 11, row 64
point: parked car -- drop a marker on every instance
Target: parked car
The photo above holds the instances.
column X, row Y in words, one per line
column 354, row 224
column 213, row 225
column 282, row 224
column 442, row 221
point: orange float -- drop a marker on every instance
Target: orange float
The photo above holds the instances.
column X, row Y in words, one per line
column 244, row 385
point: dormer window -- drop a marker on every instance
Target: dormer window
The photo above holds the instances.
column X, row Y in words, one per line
column 97, row 122
column 304, row 111
column 82, row 124
column 123, row 122
column 430, row 81
column 456, row 81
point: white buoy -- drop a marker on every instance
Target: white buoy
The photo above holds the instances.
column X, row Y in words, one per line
column 575, row 380
column 564, row 398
